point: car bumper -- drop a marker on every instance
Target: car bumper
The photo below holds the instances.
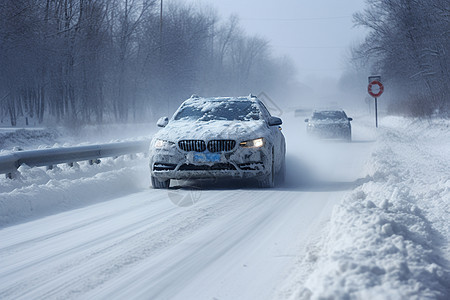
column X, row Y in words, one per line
column 330, row 133
column 241, row 163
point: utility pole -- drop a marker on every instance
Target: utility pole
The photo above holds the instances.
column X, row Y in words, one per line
column 160, row 23
column 160, row 31
column 161, row 67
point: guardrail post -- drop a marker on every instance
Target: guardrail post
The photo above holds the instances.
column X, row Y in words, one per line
column 94, row 161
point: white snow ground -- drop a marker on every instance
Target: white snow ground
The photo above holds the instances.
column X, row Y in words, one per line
column 365, row 220
column 389, row 238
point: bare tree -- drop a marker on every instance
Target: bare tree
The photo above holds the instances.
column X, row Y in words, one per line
column 93, row 61
column 407, row 43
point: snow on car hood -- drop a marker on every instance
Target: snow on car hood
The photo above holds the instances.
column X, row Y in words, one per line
column 214, row 129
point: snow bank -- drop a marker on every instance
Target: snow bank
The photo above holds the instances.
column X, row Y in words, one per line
column 36, row 192
column 30, row 138
column 389, row 238
column 24, row 138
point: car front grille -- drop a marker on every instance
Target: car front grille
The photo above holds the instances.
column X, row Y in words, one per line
column 221, row 145
column 192, row 145
column 213, row 146
column 214, row 167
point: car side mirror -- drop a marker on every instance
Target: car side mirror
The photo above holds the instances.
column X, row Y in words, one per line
column 350, row 119
column 306, row 120
column 162, row 122
column 274, row 121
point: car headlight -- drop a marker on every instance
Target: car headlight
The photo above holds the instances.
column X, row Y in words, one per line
column 256, row 143
column 159, row 144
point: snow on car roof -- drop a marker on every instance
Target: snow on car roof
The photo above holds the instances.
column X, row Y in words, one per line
column 329, row 114
column 327, row 109
column 195, row 98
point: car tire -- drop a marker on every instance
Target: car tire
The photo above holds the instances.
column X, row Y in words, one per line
column 349, row 137
column 268, row 181
column 281, row 175
column 160, row 184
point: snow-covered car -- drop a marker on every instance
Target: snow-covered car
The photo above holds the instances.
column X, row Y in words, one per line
column 225, row 137
column 333, row 124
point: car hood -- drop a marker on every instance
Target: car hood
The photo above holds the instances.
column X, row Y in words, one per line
column 211, row 130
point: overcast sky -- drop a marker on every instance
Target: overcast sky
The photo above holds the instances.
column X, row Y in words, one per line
column 316, row 34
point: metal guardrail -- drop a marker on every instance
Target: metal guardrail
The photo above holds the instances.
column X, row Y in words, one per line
column 49, row 157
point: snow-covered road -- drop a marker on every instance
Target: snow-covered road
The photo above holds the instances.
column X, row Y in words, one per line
column 219, row 241
column 230, row 244
column 313, row 237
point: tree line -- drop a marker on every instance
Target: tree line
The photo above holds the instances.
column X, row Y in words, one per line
column 95, row 61
column 408, row 44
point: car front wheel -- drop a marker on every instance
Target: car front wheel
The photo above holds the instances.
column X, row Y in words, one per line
column 268, row 181
column 281, row 175
column 348, row 138
column 160, row 184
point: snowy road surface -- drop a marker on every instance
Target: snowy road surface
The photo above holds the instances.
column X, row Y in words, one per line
column 231, row 244
column 226, row 242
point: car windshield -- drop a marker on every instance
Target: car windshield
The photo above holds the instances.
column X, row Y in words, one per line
column 219, row 110
column 329, row 115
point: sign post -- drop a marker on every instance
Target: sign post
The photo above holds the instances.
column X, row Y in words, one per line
column 375, row 90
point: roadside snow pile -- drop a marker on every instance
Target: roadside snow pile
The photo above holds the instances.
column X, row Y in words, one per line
column 30, row 138
column 36, row 192
column 26, row 138
column 390, row 237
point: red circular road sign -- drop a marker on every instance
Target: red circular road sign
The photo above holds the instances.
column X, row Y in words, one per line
column 375, row 88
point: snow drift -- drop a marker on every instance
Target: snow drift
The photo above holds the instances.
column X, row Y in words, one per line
column 389, row 238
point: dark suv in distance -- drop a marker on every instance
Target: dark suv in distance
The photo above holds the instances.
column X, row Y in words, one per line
column 329, row 124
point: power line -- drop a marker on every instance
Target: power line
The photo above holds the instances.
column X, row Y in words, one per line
column 311, row 47
column 296, row 19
